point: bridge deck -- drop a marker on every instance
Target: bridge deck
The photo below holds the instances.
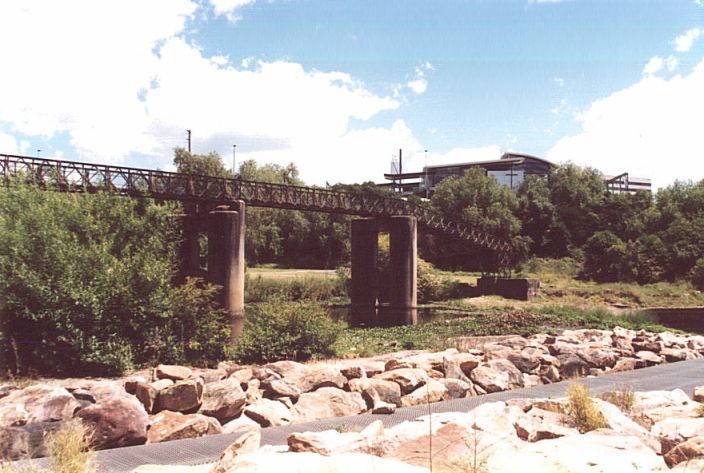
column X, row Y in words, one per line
column 71, row 176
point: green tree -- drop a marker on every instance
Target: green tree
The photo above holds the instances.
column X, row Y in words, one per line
column 87, row 283
column 576, row 194
column 604, row 255
column 201, row 164
column 479, row 202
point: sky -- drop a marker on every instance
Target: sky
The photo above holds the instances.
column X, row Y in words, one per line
column 338, row 87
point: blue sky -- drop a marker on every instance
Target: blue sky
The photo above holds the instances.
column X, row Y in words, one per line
column 338, row 87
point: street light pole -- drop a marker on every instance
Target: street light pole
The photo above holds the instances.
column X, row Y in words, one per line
column 234, row 148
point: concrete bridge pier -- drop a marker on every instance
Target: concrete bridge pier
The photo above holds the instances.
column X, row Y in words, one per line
column 364, row 289
column 226, row 225
column 190, row 248
column 403, row 233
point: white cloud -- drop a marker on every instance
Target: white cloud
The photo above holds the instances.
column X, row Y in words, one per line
column 650, row 129
column 685, row 41
column 699, row 2
column 653, row 66
column 559, row 81
column 531, row 2
column 123, row 95
column 419, row 84
column 672, row 63
column 229, row 7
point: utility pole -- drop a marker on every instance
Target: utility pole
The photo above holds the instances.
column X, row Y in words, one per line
column 234, row 147
column 38, row 151
column 188, row 132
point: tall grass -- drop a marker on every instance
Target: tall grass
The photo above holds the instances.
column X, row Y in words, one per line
column 258, row 289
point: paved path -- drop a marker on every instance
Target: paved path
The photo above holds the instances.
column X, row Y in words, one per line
column 684, row 375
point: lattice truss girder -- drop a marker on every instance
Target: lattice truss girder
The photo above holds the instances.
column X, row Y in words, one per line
column 69, row 176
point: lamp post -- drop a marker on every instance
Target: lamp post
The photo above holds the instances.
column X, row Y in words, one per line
column 234, row 148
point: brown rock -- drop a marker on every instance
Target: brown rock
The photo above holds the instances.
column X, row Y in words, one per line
column 538, row 424
column 183, row 396
column 173, row 372
column 332, row 442
column 223, row 400
column 649, row 357
column 211, row 375
column 147, row 395
column 388, row 391
column 407, row 378
column 242, row 423
column 353, row 372
column 687, row 450
column 243, row 376
column 599, row 357
column 672, row 432
column 268, row 413
column 168, row 425
column 308, row 378
column 456, row 388
column 37, row 403
column 275, row 388
column 572, row 366
column 326, row 403
column 640, row 344
column 395, row 364
column 116, row 422
column 248, row 442
column 162, row 384
column 432, row 391
column 26, row 441
column 497, row 375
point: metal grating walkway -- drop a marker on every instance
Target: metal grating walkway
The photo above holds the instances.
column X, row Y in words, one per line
column 684, row 375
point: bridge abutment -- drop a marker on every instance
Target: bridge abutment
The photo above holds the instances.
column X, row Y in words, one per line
column 403, row 255
column 226, row 228
column 365, row 280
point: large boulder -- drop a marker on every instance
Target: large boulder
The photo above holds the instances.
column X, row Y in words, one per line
column 597, row 451
column 38, row 403
column 183, row 396
column 687, row 450
column 308, row 378
column 538, row 424
column 26, row 441
column 326, row 403
column 173, row 372
column 268, row 413
column 407, row 378
column 247, row 442
column 497, row 375
column 116, row 422
column 223, row 400
column 388, row 391
column 168, row 425
column 674, row 431
column 457, row 388
column 332, row 442
column 432, row 391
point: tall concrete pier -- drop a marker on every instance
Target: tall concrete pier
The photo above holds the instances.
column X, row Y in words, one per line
column 226, row 226
column 404, row 281
column 365, row 280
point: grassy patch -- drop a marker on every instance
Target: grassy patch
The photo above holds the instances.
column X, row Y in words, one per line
column 262, row 289
column 433, row 335
column 581, row 409
column 622, row 397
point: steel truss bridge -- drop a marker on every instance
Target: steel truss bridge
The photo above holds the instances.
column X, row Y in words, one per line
column 71, row 176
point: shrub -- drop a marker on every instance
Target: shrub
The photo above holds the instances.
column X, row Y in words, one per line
column 622, row 397
column 696, row 274
column 282, row 330
column 86, row 285
column 581, row 409
column 604, row 254
column 70, row 449
column 260, row 289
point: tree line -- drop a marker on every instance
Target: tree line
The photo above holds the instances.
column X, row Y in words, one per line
column 642, row 237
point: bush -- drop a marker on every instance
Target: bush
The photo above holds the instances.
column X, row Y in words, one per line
column 87, row 285
column 604, row 256
column 696, row 274
column 582, row 411
column 282, row 330
column 260, row 289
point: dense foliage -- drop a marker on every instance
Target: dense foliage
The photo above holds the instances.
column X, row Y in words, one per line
column 86, row 284
column 281, row 330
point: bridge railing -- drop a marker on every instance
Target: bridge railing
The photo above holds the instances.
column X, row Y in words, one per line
column 72, row 176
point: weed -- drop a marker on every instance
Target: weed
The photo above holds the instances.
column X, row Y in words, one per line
column 70, row 449
column 622, row 397
column 700, row 411
column 581, row 409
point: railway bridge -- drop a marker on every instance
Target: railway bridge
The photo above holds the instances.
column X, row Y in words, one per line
column 217, row 206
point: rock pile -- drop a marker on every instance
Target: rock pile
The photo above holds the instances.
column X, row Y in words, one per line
column 657, row 432
column 175, row 402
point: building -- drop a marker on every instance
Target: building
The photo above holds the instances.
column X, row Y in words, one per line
column 510, row 170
